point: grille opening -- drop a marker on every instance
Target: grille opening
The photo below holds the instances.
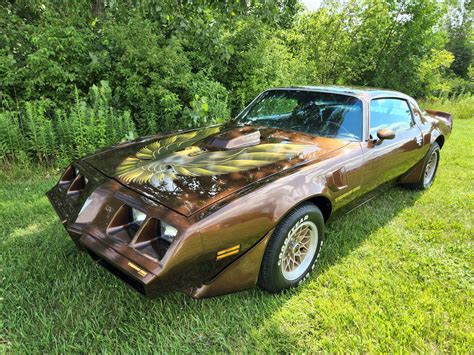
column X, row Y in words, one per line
column 77, row 185
column 144, row 234
column 135, row 284
column 68, row 176
column 155, row 248
column 122, row 226
column 148, row 240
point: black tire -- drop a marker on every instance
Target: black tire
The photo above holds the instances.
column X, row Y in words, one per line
column 271, row 277
column 423, row 183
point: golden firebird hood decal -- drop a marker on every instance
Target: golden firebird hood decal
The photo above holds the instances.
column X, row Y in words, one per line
column 165, row 159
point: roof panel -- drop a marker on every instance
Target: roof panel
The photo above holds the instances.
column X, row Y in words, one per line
column 359, row 91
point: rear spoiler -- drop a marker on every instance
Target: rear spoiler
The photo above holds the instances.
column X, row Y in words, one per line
column 443, row 116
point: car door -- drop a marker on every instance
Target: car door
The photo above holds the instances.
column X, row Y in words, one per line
column 385, row 160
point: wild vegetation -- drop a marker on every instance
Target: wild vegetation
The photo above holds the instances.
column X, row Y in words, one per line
column 76, row 76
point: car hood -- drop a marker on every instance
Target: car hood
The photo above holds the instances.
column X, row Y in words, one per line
column 187, row 171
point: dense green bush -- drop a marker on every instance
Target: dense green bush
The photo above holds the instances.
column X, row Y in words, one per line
column 12, row 144
column 263, row 61
column 76, row 76
column 32, row 134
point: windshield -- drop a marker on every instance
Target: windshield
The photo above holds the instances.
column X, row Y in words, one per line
column 317, row 113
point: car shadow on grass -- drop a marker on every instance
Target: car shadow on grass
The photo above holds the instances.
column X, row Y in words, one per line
column 63, row 294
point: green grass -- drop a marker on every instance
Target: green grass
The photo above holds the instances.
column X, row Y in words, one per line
column 395, row 275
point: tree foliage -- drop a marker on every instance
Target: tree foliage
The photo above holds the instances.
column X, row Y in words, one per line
column 170, row 64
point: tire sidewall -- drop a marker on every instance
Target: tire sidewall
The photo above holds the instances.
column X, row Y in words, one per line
column 283, row 235
column 434, row 149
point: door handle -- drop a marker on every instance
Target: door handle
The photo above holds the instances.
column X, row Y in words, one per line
column 419, row 140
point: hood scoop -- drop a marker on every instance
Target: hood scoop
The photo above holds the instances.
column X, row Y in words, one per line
column 239, row 138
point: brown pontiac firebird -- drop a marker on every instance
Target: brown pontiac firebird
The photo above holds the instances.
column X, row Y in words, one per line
column 224, row 208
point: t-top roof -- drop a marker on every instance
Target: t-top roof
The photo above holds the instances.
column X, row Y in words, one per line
column 365, row 92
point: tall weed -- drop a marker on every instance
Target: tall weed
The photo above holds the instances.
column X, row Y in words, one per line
column 39, row 131
column 460, row 106
column 12, row 144
column 37, row 134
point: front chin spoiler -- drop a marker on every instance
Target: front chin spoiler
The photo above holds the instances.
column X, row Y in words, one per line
column 126, row 270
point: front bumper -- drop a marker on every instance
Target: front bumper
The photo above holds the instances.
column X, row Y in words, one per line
column 89, row 231
column 137, row 278
column 151, row 269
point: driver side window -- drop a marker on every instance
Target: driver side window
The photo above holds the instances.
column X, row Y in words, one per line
column 389, row 113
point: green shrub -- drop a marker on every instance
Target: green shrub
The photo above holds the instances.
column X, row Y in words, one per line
column 180, row 64
column 261, row 61
column 30, row 134
column 12, row 144
column 39, row 131
column 155, row 79
column 85, row 128
column 460, row 106
column 209, row 104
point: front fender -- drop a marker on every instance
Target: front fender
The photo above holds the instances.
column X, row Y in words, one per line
column 243, row 223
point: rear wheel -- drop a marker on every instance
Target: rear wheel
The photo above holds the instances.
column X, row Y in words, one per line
column 293, row 249
column 429, row 169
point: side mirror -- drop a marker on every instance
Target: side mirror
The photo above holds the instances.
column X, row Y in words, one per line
column 385, row 133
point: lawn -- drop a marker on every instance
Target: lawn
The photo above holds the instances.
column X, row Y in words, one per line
column 395, row 275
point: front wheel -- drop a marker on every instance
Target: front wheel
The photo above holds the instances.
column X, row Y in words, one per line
column 293, row 249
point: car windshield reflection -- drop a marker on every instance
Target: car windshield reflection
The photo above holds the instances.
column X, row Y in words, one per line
column 316, row 113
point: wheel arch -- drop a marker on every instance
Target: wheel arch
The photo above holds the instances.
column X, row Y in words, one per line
column 440, row 140
column 323, row 203
column 437, row 137
column 320, row 201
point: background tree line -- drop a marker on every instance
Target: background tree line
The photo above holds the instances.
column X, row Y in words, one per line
column 78, row 75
